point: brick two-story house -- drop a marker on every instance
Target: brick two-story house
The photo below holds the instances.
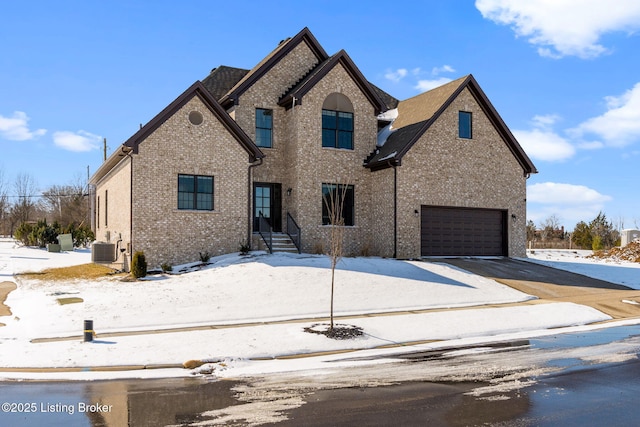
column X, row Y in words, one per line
column 436, row 174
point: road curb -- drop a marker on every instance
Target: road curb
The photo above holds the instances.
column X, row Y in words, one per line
column 115, row 368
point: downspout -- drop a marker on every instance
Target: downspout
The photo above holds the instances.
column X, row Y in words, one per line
column 395, row 208
column 128, row 154
column 249, row 199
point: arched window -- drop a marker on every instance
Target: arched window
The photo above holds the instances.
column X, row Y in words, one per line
column 337, row 122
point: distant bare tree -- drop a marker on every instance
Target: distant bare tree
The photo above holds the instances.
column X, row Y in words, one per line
column 24, row 208
column 550, row 227
column 4, row 204
column 531, row 230
column 333, row 197
column 66, row 204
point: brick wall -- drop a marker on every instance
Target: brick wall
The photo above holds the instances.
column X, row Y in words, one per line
column 298, row 161
column 161, row 230
column 113, row 221
column 265, row 93
column 315, row 165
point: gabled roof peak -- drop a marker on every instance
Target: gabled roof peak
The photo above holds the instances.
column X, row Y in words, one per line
column 283, row 48
column 197, row 89
column 316, row 74
column 417, row 114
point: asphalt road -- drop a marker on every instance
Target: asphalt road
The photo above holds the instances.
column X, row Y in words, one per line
column 554, row 285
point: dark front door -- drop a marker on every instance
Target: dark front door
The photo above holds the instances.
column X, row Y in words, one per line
column 267, row 198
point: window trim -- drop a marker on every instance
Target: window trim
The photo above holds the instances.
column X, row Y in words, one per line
column 348, row 222
column 270, row 128
column 336, row 130
column 468, row 116
column 195, row 192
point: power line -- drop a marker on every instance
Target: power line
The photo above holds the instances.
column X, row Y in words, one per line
column 39, row 196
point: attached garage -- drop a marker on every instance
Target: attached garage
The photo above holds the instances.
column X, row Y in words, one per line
column 453, row 231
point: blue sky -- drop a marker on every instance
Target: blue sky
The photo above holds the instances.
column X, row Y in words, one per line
column 563, row 76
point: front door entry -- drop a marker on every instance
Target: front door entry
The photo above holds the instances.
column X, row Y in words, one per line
column 267, row 198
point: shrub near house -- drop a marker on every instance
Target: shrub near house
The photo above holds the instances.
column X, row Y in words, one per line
column 41, row 234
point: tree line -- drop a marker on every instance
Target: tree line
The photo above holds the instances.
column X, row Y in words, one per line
column 58, row 209
column 598, row 234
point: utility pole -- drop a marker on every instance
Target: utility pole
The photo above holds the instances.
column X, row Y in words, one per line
column 104, row 143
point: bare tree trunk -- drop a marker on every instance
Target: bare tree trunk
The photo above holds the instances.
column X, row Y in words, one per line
column 334, row 202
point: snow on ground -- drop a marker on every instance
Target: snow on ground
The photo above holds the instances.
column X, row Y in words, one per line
column 625, row 273
column 261, row 292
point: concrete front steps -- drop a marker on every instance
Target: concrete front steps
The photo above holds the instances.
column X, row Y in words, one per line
column 281, row 243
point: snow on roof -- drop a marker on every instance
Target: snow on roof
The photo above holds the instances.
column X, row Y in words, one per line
column 384, row 133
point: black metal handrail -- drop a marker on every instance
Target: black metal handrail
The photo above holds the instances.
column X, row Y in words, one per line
column 266, row 232
column 294, row 231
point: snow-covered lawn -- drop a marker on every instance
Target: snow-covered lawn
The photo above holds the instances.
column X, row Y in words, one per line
column 615, row 271
column 250, row 290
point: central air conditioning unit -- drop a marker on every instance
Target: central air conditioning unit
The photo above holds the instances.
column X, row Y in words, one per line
column 103, row 252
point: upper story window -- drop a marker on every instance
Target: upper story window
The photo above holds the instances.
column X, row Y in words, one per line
column 337, row 122
column 464, row 124
column 264, row 127
column 195, row 192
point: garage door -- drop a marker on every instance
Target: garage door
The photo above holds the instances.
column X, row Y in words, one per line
column 447, row 231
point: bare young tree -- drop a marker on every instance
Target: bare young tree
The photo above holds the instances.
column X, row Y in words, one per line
column 333, row 197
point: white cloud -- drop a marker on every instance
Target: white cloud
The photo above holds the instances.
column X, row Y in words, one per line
column 424, row 85
column 590, row 145
column 544, row 144
column 397, row 75
column 546, row 121
column 564, row 28
column 572, row 203
column 76, row 141
column 15, row 128
column 559, row 193
column 444, row 69
column 619, row 125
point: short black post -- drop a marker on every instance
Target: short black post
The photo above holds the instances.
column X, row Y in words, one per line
column 88, row 330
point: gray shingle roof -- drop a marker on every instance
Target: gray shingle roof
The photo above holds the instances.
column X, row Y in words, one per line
column 222, row 79
column 389, row 100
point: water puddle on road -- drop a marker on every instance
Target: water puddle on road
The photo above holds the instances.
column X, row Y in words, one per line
column 590, row 338
column 112, row 403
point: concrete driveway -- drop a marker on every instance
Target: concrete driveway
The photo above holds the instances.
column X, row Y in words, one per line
column 553, row 285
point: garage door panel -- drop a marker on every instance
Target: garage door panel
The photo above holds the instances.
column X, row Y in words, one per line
column 449, row 231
